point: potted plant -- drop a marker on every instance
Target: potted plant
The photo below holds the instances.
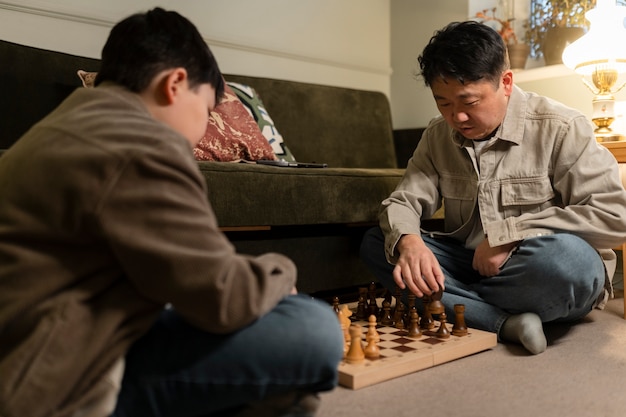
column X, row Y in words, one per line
column 554, row 24
column 518, row 51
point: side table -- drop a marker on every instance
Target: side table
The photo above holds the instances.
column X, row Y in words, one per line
column 618, row 149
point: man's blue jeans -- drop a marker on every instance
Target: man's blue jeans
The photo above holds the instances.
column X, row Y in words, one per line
column 558, row 277
column 179, row 370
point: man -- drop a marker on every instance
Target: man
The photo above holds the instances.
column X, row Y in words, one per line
column 530, row 198
column 112, row 264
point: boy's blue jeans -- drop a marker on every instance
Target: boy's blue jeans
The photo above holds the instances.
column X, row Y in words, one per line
column 179, row 370
column 558, row 277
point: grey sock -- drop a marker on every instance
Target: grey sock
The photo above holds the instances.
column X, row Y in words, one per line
column 527, row 329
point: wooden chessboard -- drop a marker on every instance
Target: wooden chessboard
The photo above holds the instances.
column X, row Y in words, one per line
column 401, row 355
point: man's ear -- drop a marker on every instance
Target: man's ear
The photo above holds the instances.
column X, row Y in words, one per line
column 507, row 82
column 172, row 83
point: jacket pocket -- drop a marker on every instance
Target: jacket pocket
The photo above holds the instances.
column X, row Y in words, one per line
column 528, row 195
column 459, row 196
column 50, row 353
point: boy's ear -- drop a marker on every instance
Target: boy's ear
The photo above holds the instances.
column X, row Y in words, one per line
column 172, row 83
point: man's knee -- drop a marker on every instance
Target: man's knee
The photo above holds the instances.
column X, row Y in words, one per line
column 565, row 256
column 372, row 245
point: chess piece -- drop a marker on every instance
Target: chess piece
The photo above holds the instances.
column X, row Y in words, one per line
column 411, row 300
column 435, row 305
column 443, row 332
column 398, row 296
column 355, row 353
column 399, row 317
column 344, row 320
column 459, row 328
column 372, row 351
column 336, row 304
column 427, row 322
column 361, row 308
column 373, row 306
column 386, row 319
column 414, row 329
column 371, row 331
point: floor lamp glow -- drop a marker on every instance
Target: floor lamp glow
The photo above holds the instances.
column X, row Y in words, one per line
column 600, row 57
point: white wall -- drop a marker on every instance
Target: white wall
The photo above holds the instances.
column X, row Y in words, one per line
column 347, row 43
column 334, row 42
column 412, row 25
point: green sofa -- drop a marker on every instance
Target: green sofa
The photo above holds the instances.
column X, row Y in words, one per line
column 316, row 216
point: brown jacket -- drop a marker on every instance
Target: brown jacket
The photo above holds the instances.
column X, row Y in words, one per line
column 104, row 218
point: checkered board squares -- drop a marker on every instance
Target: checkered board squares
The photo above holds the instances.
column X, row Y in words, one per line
column 401, row 355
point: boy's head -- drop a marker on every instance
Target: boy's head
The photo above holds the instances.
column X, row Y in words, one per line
column 466, row 52
column 161, row 56
column 145, row 44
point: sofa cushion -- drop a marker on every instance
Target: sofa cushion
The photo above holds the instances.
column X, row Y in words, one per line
column 258, row 195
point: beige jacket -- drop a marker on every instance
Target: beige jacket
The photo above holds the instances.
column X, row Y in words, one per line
column 104, row 219
column 542, row 172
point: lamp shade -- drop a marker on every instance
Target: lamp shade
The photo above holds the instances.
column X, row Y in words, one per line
column 604, row 44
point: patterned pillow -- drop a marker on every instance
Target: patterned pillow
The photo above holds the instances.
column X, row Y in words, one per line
column 87, row 77
column 250, row 98
column 231, row 134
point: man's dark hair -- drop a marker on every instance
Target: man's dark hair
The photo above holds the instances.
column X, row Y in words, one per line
column 464, row 51
column 145, row 44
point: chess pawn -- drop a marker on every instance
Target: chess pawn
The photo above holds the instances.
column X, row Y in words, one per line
column 355, row 353
column 399, row 317
column 346, row 339
column 411, row 299
column 459, row 328
column 372, row 337
column 361, row 308
column 386, row 319
column 343, row 315
column 336, row 305
column 427, row 322
column 372, row 351
column 436, row 306
column 398, row 296
column 414, row 328
column 371, row 331
column 443, row 332
column 373, row 306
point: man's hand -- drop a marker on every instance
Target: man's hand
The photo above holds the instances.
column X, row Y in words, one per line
column 417, row 267
column 488, row 261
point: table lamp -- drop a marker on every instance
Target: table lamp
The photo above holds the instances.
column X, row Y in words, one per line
column 600, row 56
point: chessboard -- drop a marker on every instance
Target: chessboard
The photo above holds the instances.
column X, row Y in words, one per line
column 417, row 344
column 401, row 355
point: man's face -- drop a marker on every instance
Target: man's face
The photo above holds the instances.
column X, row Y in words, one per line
column 473, row 109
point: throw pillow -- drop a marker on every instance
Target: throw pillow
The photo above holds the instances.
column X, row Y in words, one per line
column 87, row 77
column 231, row 135
column 250, row 98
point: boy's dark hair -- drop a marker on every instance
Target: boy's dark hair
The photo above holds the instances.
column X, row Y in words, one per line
column 145, row 44
column 464, row 51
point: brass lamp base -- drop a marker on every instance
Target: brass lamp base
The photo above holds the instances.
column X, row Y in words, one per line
column 607, row 135
column 604, row 133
